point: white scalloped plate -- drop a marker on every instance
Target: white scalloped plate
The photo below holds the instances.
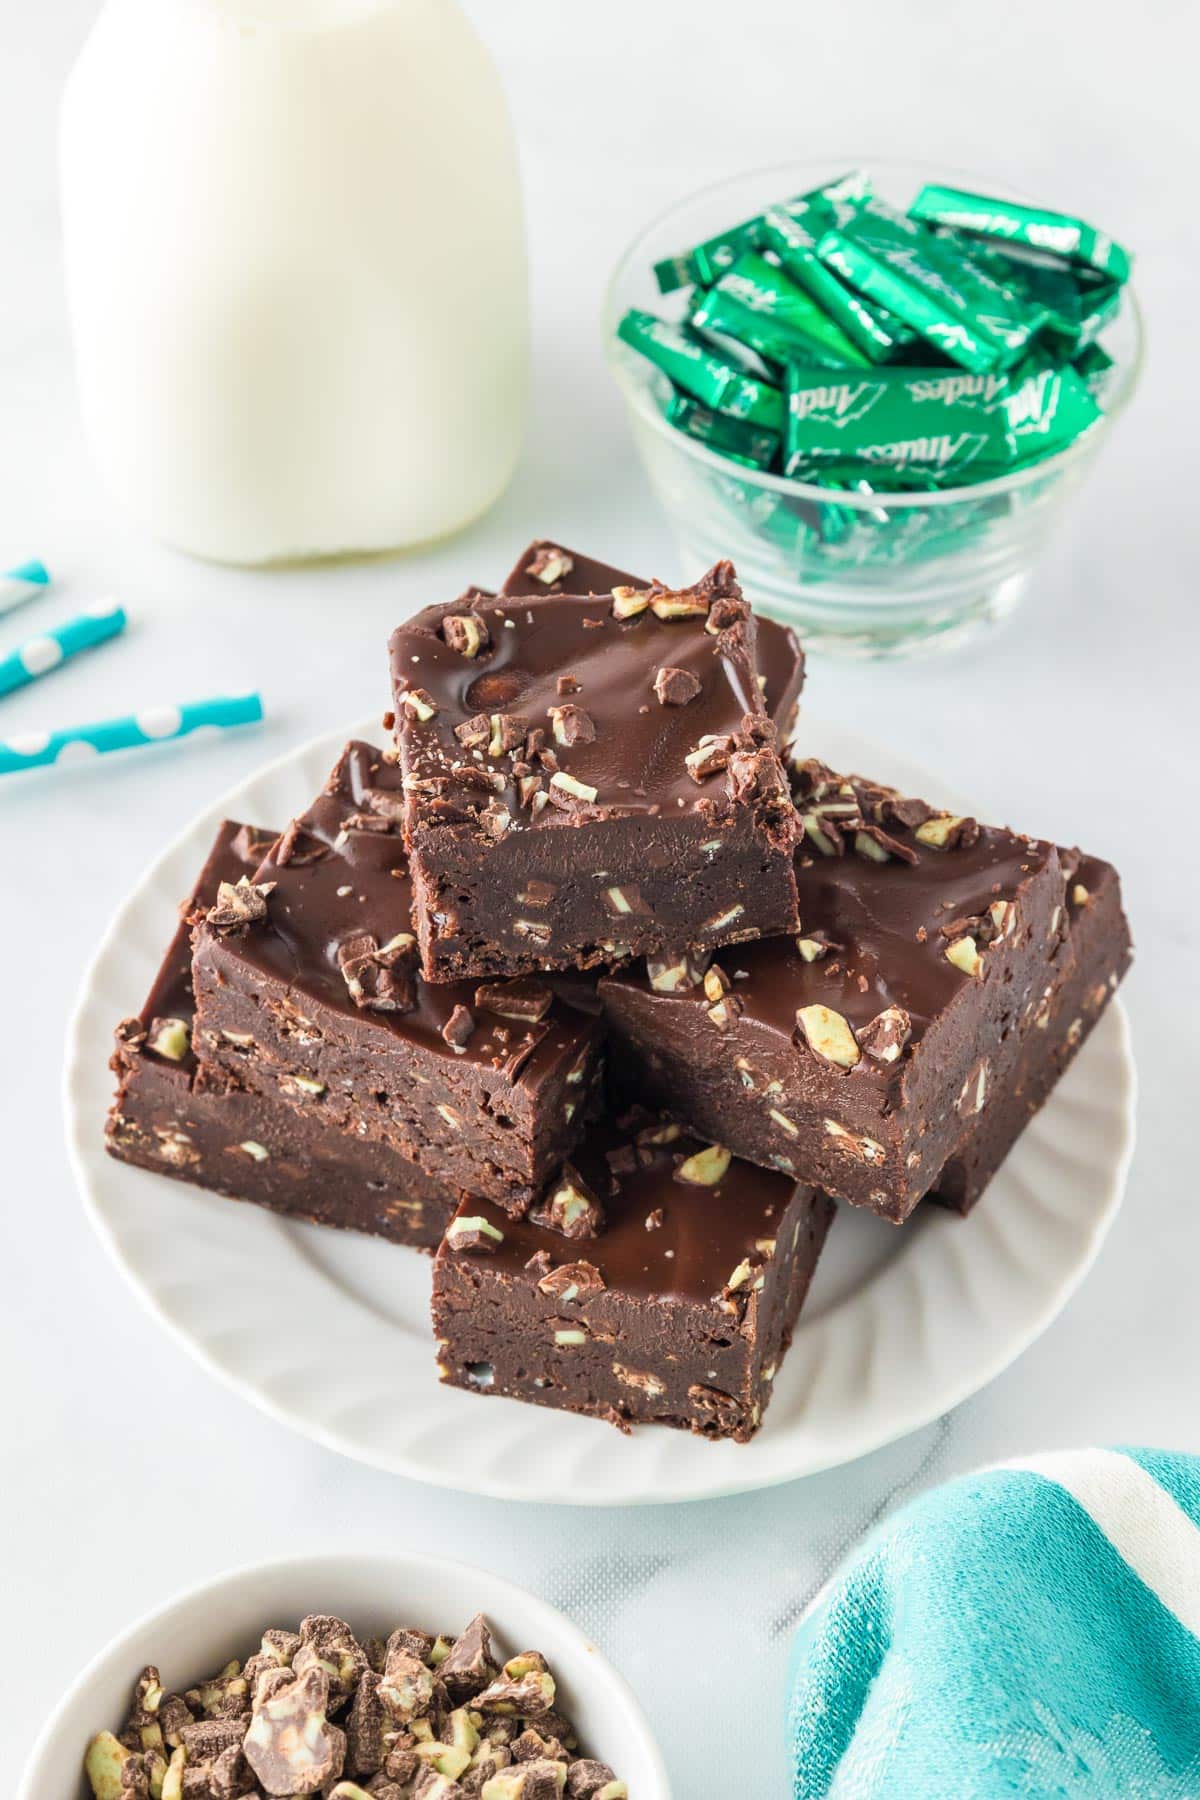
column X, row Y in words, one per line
column 901, row 1325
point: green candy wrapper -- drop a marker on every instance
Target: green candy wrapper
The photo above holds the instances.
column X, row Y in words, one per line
column 792, row 232
column 711, row 379
column 738, row 442
column 756, row 303
column 1047, row 408
column 1078, row 312
column 1098, row 306
column 1092, row 366
column 879, row 478
column 948, row 299
column 1050, row 287
column 819, row 210
column 1077, row 304
column 901, row 427
column 885, row 420
column 843, row 196
column 1012, row 315
column 707, row 262
column 1010, row 222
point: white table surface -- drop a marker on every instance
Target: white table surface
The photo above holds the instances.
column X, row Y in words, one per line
column 127, row 1473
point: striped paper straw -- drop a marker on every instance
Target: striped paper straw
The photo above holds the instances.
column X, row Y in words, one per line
column 41, row 654
column 154, row 725
column 19, row 585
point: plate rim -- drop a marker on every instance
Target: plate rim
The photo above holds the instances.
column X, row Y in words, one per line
column 754, row 1479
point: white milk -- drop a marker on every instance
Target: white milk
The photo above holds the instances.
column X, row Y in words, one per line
column 296, row 271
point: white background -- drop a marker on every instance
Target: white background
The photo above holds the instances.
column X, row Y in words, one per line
column 126, row 1472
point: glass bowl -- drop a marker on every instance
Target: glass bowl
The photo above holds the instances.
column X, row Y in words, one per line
column 867, row 576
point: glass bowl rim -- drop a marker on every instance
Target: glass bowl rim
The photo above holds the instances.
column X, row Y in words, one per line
column 637, row 393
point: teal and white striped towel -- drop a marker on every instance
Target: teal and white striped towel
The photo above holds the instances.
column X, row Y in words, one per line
column 1031, row 1630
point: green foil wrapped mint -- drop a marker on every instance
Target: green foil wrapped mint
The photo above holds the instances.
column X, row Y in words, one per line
column 1014, row 223
column 707, row 377
column 898, row 264
column 900, row 427
column 792, row 233
column 731, row 438
column 707, row 262
column 756, row 303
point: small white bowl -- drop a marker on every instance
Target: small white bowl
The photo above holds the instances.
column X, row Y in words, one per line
column 199, row 1630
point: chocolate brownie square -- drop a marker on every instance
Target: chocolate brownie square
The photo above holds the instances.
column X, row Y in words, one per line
column 589, row 779
column 658, row 1282
column 307, row 990
column 1056, row 1022
column 169, row 1117
column 855, row 1055
column 544, row 567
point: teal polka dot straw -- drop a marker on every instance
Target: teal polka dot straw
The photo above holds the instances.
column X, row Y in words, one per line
column 152, row 725
column 58, row 645
column 22, row 584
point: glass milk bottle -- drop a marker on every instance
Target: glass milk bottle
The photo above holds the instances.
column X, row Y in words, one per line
column 295, row 268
